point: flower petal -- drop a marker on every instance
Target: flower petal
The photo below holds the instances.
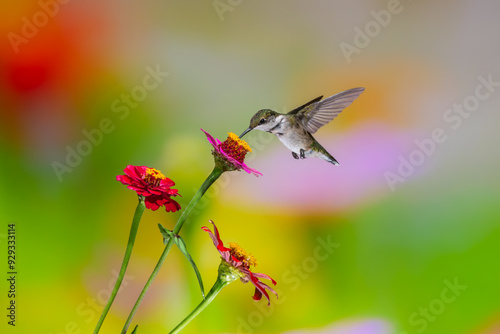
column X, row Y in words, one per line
column 144, row 191
column 229, row 158
column 172, row 206
column 136, row 172
column 250, row 170
column 260, row 289
column 173, row 192
column 151, row 204
column 264, row 276
column 125, row 179
column 258, row 295
column 210, row 139
column 239, row 165
column 216, row 238
column 166, row 182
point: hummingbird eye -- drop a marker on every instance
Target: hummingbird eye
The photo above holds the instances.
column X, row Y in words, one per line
column 262, row 121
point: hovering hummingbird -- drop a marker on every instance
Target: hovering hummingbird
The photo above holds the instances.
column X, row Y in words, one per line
column 295, row 129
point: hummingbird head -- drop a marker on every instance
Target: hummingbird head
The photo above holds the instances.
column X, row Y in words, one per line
column 263, row 120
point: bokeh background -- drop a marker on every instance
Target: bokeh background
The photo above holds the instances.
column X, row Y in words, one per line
column 418, row 254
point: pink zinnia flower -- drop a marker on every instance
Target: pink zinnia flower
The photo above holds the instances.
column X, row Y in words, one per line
column 238, row 259
column 151, row 184
column 231, row 153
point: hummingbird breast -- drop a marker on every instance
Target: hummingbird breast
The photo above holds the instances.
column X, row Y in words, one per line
column 292, row 135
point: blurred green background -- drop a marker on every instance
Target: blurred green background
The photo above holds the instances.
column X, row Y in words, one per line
column 414, row 245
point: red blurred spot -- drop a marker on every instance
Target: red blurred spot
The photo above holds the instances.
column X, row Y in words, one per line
column 26, row 77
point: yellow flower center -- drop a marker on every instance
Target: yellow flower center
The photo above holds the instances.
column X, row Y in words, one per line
column 235, row 147
column 239, row 142
column 241, row 255
column 154, row 176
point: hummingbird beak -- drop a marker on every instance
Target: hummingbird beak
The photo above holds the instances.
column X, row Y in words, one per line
column 245, row 132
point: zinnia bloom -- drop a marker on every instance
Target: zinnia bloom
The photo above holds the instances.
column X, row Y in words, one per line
column 240, row 261
column 151, row 184
column 230, row 154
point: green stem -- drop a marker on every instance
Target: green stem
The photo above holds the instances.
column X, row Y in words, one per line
column 219, row 284
column 131, row 239
column 216, row 173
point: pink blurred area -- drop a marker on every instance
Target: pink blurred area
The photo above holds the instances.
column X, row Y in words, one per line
column 358, row 326
column 365, row 152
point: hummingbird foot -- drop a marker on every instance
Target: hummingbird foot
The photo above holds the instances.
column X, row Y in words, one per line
column 302, row 154
column 295, row 155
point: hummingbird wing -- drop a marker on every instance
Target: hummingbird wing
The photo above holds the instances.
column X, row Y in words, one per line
column 315, row 115
column 309, row 104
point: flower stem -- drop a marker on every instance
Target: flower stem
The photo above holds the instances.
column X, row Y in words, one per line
column 131, row 239
column 218, row 285
column 216, row 173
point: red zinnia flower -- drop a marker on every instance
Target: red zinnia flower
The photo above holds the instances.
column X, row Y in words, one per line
column 151, row 184
column 238, row 259
column 231, row 153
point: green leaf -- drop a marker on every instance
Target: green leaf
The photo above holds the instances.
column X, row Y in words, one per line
column 167, row 234
column 135, row 329
column 182, row 247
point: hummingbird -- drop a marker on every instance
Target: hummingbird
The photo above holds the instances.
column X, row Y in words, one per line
column 295, row 128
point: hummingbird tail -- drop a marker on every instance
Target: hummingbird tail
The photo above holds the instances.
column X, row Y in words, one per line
column 323, row 154
column 333, row 161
